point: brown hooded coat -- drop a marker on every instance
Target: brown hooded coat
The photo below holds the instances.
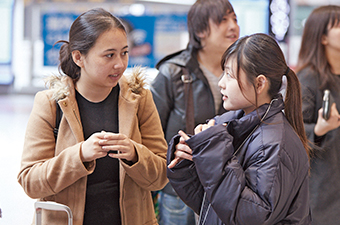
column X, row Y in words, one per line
column 54, row 171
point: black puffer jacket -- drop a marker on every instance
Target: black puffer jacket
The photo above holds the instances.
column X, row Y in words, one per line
column 168, row 92
column 264, row 182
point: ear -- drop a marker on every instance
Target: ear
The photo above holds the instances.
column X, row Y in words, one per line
column 202, row 35
column 324, row 39
column 261, row 84
column 78, row 58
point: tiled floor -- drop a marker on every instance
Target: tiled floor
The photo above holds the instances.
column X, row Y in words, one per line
column 17, row 208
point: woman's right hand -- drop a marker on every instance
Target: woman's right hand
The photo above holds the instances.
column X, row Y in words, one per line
column 91, row 149
column 183, row 151
column 323, row 126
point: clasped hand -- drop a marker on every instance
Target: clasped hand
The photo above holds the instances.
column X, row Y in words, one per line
column 98, row 145
column 183, row 151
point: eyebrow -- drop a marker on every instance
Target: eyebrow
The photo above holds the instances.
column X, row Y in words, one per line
column 113, row 49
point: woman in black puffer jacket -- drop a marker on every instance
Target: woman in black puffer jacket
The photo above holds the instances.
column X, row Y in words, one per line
column 251, row 164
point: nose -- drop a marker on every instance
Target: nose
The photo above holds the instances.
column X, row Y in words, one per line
column 119, row 63
column 233, row 25
column 221, row 82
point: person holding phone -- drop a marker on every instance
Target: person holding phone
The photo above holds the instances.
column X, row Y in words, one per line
column 318, row 70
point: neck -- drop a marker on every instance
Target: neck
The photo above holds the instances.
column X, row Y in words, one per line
column 333, row 58
column 211, row 61
column 91, row 93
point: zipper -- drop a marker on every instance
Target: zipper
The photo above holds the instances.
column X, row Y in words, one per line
column 75, row 114
column 201, row 212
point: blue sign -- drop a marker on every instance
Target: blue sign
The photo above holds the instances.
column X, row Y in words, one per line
column 55, row 27
column 145, row 35
column 149, row 37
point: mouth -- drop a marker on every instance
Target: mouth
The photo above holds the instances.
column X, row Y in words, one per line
column 224, row 97
column 114, row 75
column 232, row 36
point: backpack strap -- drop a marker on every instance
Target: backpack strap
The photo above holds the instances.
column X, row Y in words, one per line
column 59, row 114
column 189, row 101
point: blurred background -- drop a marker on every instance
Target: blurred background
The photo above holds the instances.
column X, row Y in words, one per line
column 29, row 29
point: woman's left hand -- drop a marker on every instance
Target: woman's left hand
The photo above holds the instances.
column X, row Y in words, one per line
column 121, row 144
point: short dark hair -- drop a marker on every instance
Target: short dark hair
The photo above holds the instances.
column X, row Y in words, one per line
column 83, row 34
column 199, row 15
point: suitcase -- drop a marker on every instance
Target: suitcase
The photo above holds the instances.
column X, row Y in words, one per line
column 51, row 206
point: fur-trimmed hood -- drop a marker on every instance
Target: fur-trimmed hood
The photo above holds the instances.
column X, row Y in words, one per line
column 61, row 87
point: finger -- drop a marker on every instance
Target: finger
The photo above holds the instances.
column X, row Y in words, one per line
column 211, row 122
column 115, row 154
column 183, row 148
column 198, row 129
column 183, row 135
column 113, row 136
column 184, row 155
column 174, row 162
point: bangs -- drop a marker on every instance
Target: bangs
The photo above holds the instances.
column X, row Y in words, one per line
column 222, row 8
column 334, row 18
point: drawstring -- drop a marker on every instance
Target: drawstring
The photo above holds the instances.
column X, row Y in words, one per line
column 263, row 117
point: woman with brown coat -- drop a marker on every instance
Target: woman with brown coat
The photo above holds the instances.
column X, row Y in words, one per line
column 110, row 151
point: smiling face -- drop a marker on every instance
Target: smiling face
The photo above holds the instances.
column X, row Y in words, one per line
column 233, row 97
column 222, row 35
column 106, row 61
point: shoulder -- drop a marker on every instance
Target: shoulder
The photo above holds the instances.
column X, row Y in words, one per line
column 173, row 64
column 60, row 86
column 285, row 146
column 42, row 98
column 307, row 75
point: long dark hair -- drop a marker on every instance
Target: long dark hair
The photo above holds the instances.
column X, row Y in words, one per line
column 199, row 15
column 260, row 54
column 312, row 51
column 84, row 32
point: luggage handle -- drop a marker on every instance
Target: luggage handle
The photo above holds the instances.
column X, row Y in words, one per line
column 51, row 206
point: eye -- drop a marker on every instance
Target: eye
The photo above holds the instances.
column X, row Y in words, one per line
column 235, row 18
column 228, row 75
column 125, row 53
column 110, row 55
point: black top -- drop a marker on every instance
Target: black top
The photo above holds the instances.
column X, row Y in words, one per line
column 324, row 183
column 102, row 194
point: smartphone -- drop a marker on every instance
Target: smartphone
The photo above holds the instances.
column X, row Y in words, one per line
column 326, row 104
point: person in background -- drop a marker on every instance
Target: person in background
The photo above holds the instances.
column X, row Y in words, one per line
column 318, row 69
column 110, row 150
column 250, row 165
column 186, row 90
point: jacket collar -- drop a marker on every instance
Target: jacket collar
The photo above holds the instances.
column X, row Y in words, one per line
column 130, row 93
column 240, row 126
